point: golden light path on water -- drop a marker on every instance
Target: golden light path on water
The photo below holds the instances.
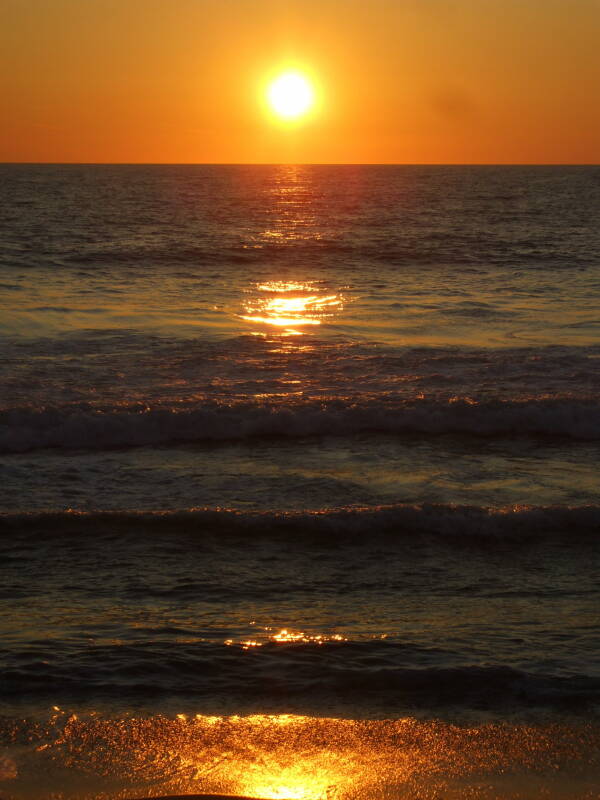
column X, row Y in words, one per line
column 89, row 756
column 290, row 305
column 279, row 774
column 285, row 636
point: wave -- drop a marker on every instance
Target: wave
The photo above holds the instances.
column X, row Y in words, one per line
column 23, row 430
column 401, row 520
column 299, row 675
column 422, row 248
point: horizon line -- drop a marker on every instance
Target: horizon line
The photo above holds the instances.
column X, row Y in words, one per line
column 302, row 163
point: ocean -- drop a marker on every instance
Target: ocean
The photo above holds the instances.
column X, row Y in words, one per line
column 299, row 487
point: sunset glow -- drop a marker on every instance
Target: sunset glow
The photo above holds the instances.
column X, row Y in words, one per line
column 379, row 82
column 300, row 398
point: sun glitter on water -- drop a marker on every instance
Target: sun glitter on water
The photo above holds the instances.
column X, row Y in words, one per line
column 290, row 96
column 290, row 305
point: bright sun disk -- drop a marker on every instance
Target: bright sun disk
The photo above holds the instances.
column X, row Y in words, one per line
column 290, row 95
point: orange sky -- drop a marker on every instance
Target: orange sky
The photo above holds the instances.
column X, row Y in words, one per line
column 400, row 81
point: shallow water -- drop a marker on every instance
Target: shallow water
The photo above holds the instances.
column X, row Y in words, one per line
column 300, row 757
column 308, row 441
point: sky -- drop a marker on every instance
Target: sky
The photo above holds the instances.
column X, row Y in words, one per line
column 397, row 81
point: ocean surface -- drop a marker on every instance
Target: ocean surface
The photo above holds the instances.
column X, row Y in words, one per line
column 299, row 482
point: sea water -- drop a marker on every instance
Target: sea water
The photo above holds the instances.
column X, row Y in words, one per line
column 299, row 481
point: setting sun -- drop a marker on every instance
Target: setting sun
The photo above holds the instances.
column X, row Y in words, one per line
column 290, row 95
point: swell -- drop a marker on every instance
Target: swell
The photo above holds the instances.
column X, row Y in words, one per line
column 23, row 429
column 421, row 246
column 399, row 520
column 296, row 675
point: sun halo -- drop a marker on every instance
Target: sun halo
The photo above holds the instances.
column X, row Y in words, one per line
column 290, row 95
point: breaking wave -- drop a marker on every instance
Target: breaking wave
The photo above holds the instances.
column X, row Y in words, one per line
column 87, row 427
column 401, row 520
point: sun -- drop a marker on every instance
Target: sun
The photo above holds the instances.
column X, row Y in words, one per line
column 290, row 95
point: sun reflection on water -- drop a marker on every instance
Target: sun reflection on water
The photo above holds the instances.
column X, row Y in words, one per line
column 280, row 761
column 297, row 757
column 314, row 778
column 285, row 636
column 290, row 305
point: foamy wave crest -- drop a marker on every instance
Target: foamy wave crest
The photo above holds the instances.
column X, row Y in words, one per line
column 451, row 521
column 23, row 430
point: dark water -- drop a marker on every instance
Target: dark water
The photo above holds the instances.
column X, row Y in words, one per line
column 299, row 481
